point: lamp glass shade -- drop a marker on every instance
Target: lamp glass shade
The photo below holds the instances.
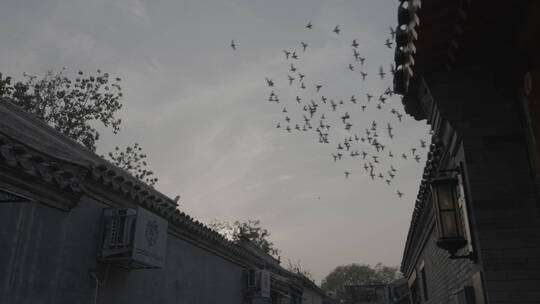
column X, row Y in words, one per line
column 449, row 225
column 445, row 199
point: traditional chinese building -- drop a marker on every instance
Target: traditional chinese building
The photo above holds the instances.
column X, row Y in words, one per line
column 76, row 229
column 368, row 294
column 396, row 292
column 471, row 70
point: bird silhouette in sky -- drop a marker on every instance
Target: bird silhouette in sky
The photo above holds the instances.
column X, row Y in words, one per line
column 362, row 59
column 287, row 54
column 356, row 55
column 393, row 69
column 293, row 68
column 233, row 45
column 291, row 79
column 369, row 96
column 381, row 72
column 392, row 33
column 334, row 117
column 364, row 74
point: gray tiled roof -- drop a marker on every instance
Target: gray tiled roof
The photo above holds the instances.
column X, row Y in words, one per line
column 431, row 167
column 34, row 149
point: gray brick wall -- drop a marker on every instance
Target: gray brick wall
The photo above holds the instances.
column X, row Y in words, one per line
column 46, row 254
column 504, row 199
column 443, row 276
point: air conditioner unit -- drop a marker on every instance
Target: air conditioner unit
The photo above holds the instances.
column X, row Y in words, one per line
column 133, row 238
column 258, row 283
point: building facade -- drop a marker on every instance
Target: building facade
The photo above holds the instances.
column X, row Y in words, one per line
column 396, row 292
column 76, row 229
column 470, row 69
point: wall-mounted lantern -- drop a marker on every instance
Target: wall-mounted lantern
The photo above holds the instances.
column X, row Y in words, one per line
column 450, row 225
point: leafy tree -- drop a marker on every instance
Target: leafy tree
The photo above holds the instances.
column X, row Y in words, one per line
column 387, row 274
column 133, row 160
column 250, row 229
column 75, row 108
column 357, row 274
column 298, row 269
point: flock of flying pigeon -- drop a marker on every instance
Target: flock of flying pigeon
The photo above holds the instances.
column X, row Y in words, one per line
column 370, row 143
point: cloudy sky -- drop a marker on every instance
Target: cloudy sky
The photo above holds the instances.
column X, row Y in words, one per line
column 201, row 111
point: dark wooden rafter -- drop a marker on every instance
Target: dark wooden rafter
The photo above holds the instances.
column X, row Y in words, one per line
column 452, row 34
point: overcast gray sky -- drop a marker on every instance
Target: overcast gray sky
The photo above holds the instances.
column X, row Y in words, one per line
column 200, row 110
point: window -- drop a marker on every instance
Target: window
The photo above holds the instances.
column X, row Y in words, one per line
column 413, row 286
column 251, row 277
column 424, row 282
column 464, row 214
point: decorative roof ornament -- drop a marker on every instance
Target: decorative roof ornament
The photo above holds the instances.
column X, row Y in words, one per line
column 405, row 37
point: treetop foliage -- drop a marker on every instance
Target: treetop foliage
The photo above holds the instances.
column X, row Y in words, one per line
column 250, row 229
column 133, row 160
column 298, row 269
column 358, row 274
column 73, row 107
